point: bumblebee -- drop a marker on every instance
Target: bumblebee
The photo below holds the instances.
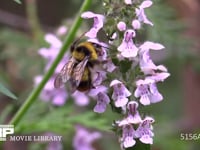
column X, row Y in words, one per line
column 78, row 69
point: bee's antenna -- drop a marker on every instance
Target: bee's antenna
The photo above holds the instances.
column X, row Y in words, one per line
column 77, row 40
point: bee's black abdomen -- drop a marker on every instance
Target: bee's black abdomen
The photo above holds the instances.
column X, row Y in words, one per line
column 90, row 64
column 84, row 86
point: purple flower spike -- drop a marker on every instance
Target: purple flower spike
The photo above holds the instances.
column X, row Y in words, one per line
column 128, row 136
column 102, row 101
column 141, row 14
column 120, row 93
column 144, row 131
column 83, row 139
column 147, row 91
column 98, row 23
column 127, row 47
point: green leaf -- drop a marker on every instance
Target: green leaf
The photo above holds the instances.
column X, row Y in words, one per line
column 18, row 1
column 6, row 92
column 59, row 119
column 125, row 65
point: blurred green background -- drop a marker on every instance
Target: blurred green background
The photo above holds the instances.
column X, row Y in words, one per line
column 176, row 25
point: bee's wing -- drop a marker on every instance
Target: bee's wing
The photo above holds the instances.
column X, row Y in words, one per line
column 78, row 73
column 65, row 73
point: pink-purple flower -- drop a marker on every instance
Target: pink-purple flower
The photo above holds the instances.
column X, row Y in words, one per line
column 109, row 66
column 52, row 51
column 80, row 98
column 127, row 48
column 102, row 102
column 98, row 77
column 159, row 76
column 62, row 30
column 83, row 139
column 128, row 2
column 128, row 136
column 133, row 116
column 147, row 91
column 136, row 24
column 121, row 26
column 141, row 14
column 145, row 131
column 97, row 25
column 99, row 93
column 49, row 93
column 146, row 63
column 120, row 93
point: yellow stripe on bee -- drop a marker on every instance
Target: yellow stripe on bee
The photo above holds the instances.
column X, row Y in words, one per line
column 86, row 75
column 90, row 47
column 78, row 55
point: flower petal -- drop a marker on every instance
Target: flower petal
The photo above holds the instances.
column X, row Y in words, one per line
column 146, row 4
column 146, row 139
column 144, row 99
column 121, row 26
column 120, row 102
column 80, row 98
column 88, row 14
column 136, row 24
column 128, row 2
column 129, row 142
column 115, row 82
column 53, row 40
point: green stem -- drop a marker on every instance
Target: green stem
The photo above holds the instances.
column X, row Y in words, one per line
column 31, row 11
column 34, row 94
